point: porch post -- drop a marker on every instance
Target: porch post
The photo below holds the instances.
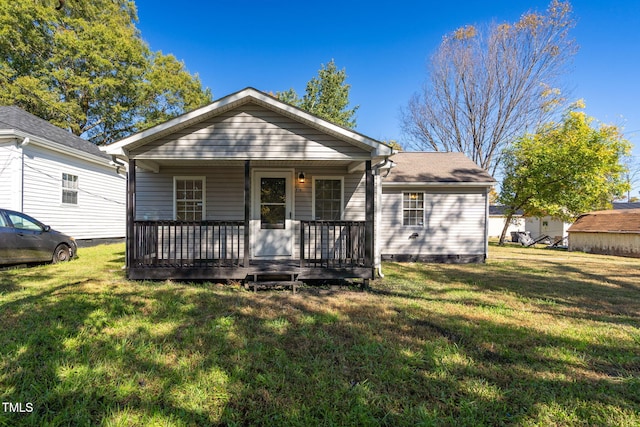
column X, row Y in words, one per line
column 247, row 210
column 131, row 212
column 369, row 217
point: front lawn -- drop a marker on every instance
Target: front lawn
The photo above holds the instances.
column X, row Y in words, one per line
column 532, row 337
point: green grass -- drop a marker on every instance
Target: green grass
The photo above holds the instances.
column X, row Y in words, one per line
column 532, row 337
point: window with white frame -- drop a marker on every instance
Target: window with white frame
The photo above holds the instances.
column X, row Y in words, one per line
column 69, row 189
column 189, row 196
column 328, row 198
column 413, row 209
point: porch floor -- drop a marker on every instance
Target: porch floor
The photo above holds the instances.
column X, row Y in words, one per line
column 289, row 267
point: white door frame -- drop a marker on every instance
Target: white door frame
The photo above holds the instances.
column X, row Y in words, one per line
column 286, row 235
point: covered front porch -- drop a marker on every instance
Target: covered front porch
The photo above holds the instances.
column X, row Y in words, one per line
column 217, row 250
column 276, row 236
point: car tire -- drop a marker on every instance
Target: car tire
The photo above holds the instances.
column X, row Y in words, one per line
column 62, row 254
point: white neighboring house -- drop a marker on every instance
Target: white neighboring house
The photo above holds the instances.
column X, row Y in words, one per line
column 60, row 179
column 497, row 219
column 536, row 227
column 547, row 226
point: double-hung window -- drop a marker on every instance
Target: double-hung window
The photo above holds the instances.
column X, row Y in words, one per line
column 69, row 189
column 189, row 198
column 413, row 209
column 328, row 198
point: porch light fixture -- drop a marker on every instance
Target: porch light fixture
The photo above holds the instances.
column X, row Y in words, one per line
column 301, row 178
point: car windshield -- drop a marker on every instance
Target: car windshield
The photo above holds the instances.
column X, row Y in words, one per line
column 3, row 223
column 24, row 223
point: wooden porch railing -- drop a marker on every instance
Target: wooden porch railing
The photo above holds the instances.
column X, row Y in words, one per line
column 187, row 244
column 220, row 244
column 332, row 244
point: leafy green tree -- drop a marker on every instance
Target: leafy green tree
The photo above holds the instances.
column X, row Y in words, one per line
column 326, row 96
column 86, row 68
column 565, row 169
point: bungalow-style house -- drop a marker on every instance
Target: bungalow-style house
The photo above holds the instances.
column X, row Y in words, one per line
column 250, row 186
column 60, row 179
column 609, row 232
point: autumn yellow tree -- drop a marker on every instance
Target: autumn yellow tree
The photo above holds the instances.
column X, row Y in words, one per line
column 565, row 169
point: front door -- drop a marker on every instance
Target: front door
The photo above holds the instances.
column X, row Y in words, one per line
column 272, row 219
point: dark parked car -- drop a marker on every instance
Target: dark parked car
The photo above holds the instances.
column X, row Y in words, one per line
column 24, row 239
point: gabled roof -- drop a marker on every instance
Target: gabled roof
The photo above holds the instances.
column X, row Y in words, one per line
column 610, row 221
column 436, row 168
column 247, row 95
column 21, row 123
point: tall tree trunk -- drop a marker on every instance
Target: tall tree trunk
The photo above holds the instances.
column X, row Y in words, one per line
column 507, row 221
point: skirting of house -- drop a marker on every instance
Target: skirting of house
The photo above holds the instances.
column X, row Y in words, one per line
column 440, row 259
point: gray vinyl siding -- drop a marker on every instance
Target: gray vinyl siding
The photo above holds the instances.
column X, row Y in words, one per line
column 354, row 193
column 225, row 192
column 224, row 198
column 101, row 208
column 454, row 223
column 252, row 132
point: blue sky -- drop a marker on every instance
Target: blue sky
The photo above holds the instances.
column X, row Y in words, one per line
column 384, row 46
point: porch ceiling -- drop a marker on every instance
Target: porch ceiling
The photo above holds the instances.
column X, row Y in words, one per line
column 254, row 163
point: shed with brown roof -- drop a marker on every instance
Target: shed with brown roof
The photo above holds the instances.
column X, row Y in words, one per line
column 610, row 232
column 434, row 208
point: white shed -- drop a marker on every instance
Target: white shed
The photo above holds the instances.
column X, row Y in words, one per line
column 60, row 179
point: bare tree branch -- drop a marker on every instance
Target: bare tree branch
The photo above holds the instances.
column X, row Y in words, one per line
column 486, row 88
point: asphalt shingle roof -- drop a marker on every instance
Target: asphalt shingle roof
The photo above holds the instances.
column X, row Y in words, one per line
column 12, row 117
column 611, row 221
column 436, row 167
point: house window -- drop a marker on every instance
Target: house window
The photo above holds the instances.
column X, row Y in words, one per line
column 69, row 189
column 189, row 196
column 328, row 198
column 413, row 209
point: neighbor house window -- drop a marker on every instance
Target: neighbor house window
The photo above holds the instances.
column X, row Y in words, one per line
column 69, row 189
column 189, row 196
column 413, row 209
column 328, row 198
